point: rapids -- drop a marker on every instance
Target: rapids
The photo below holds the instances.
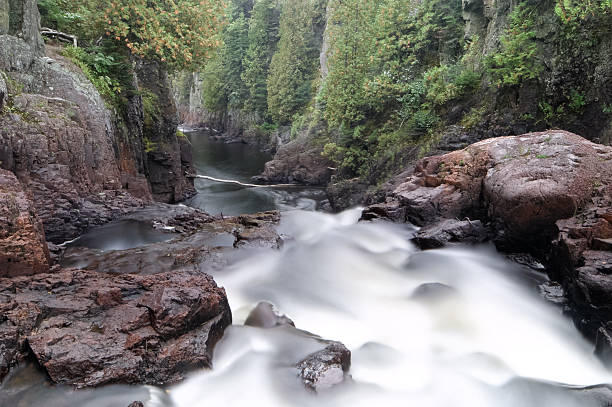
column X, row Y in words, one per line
column 462, row 327
column 439, row 328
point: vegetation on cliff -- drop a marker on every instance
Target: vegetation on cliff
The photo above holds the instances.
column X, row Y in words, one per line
column 372, row 84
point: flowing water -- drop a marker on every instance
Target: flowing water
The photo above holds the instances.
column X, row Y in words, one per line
column 459, row 327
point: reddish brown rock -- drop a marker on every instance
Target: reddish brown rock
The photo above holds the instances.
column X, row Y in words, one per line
column 549, row 194
column 297, row 162
column 23, row 249
column 88, row 329
column 326, row 368
column 524, row 184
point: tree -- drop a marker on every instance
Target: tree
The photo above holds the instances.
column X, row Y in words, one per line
column 295, row 65
column 236, row 42
column 263, row 38
column 180, row 33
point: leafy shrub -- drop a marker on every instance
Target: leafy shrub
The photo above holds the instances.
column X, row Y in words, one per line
column 97, row 66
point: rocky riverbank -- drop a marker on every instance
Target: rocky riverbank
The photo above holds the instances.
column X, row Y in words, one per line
column 548, row 194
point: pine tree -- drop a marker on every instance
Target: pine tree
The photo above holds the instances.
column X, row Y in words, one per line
column 236, row 38
column 263, row 38
column 295, row 65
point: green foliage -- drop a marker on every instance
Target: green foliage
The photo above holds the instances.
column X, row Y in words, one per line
column 150, row 107
column 515, row 61
column 577, row 101
column 294, row 66
column 149, row 146
column 57, row 14
column 399, row 62
column 575, row 11
column 262, row 38
column 99, row 67
column 214, row 96
column 235, row 47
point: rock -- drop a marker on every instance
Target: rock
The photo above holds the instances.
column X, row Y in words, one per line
column 169, row 157
column 4, row 17
column 3, row 91
column 87, row 328
column 264, row 315
column 207, row 248
column 258, row 230
column 175, row 218
column 547, row 194
column 581, row 262
column 392, row 211
column 432, row 292
column 524, row 184
column 450, row 231
column 326, row 368
column 297, row 162
column 23, row 247
column 347, row 194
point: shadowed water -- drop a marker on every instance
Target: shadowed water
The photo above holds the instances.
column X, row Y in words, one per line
column 240, row 162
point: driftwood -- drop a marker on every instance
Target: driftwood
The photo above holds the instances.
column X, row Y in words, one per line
column 59, row 35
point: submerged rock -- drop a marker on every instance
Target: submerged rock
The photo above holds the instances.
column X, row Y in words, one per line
column 450, row 231
column 88, row 329
column 264, row 315
column 325, row 368
column 207, row 248
column 23, row 249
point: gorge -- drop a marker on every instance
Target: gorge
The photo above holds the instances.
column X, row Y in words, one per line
column 396, row 218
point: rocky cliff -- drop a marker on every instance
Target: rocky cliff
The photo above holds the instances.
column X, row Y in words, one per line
column 83, row 162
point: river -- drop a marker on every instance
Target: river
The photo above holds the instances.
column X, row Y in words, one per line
column 462, row 326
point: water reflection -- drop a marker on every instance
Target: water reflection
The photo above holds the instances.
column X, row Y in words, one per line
column 240, row 162
column 121, row 235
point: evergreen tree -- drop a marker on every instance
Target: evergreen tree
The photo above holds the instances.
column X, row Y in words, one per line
column 263, row 38
column 236, row 38
column 295, row 65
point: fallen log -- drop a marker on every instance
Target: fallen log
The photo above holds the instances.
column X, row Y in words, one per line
column 61, row 36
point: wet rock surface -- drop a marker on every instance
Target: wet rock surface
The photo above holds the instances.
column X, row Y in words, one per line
column 523, row 184
column 87, row 328
column 548, row 194
column 451, row 231
column 297, row 162
column 23, row 248
column 264, row 315
column 326, row 368
column 210, row 247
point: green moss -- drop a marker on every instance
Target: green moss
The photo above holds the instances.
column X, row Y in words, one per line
column 149, row 146
column 150, row 107
column 473, row 117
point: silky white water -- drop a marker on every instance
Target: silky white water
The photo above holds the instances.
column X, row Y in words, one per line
column 480, row 339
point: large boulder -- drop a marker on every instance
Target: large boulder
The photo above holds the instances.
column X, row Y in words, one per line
column 23, row 248
column 88, row 328
column 297, row 162
column 548, row 194
column 523, row 184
